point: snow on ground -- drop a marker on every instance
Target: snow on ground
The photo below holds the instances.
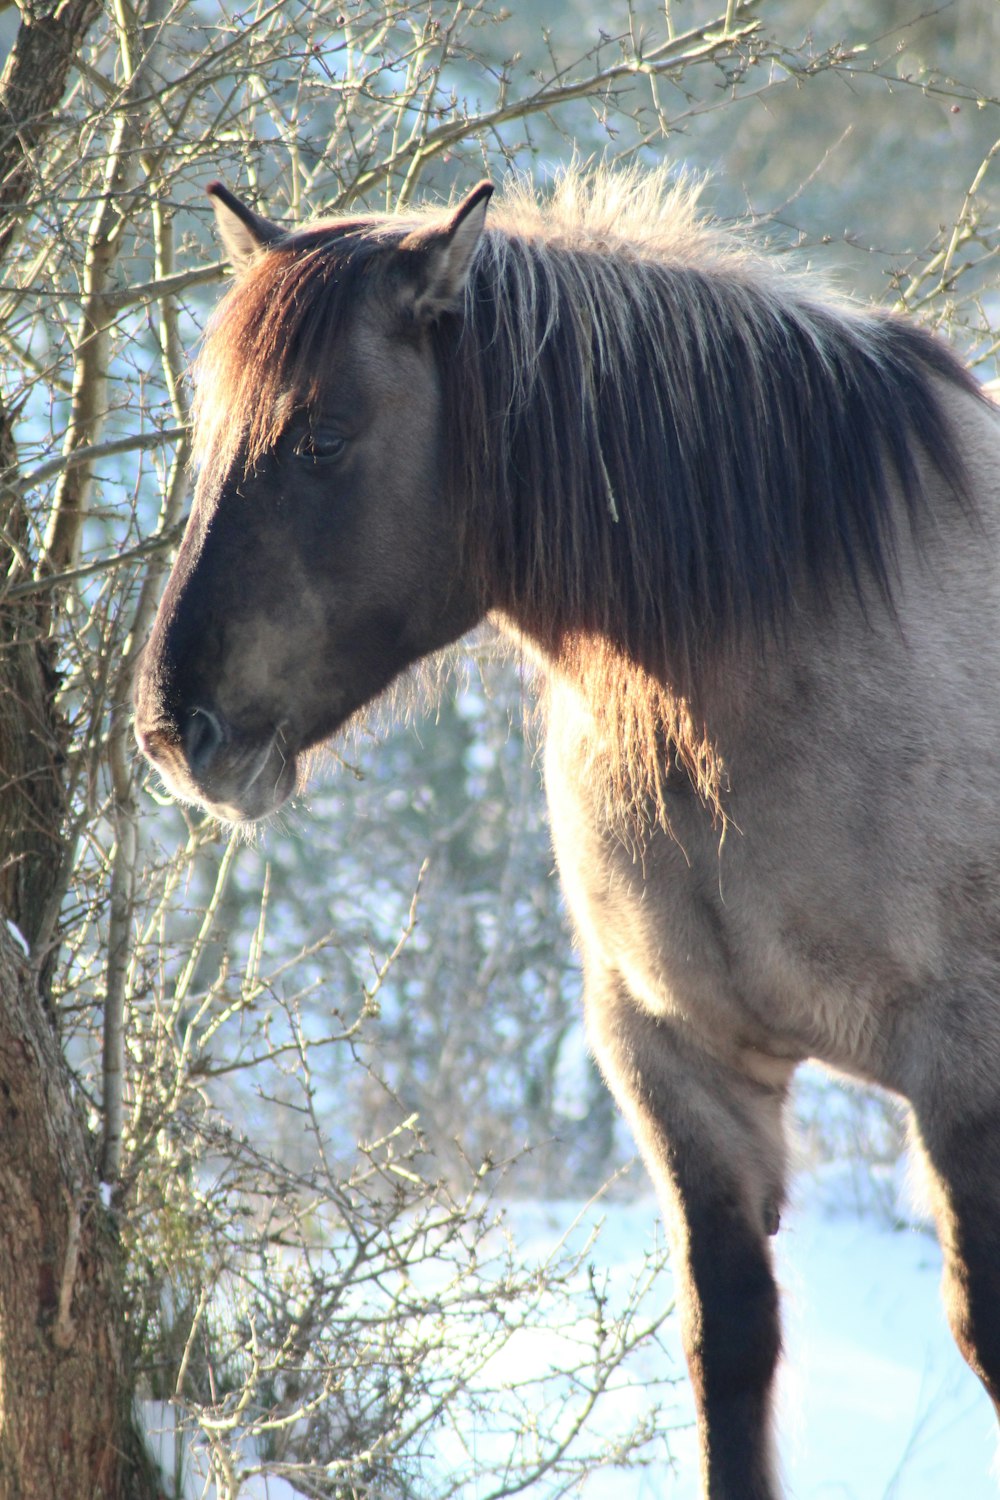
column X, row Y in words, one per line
column 875, row 1401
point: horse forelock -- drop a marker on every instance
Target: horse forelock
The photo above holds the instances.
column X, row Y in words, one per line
column 267, row 346
column 657, row 439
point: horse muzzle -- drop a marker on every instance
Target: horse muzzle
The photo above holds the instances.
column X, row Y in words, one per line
column 237, row 777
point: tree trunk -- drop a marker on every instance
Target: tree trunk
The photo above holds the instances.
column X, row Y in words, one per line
column 65, row 1391
column 66, row 1426
column 66, row 1421
column 31, row 86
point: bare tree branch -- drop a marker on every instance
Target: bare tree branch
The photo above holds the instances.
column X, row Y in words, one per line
column 91, row 453
column 31, row 87
column 698, row 45
column 160, row 542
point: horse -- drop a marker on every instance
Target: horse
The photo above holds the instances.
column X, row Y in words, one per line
column 748, row 533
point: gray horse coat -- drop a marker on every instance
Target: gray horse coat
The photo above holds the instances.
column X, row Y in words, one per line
column 752, row 537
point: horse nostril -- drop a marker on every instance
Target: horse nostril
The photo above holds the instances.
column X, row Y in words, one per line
column 203, row 736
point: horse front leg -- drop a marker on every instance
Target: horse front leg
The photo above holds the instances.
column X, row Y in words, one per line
column 712, row 1140
column 963, row 1160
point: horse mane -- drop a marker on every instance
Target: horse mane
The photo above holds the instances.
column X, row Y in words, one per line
column 657, row 439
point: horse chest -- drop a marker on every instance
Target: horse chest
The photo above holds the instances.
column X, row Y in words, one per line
column 705, row 931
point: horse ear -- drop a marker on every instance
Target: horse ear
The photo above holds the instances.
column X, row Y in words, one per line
column 442, row 256
column 244, row 234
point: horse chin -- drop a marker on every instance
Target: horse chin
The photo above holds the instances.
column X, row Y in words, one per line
column 252, row 787
column 251, row 802
column 244, row 784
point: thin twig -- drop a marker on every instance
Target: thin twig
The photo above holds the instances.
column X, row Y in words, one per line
column 156, row 543
column 92, row 452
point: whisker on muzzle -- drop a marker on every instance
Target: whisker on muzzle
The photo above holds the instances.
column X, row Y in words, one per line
column 259, row 761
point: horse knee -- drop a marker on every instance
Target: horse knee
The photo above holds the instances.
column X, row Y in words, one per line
column 733, row 1341
column 970, row 1233
column 712, row 1139
column 971, row 1286
column 964, row 1168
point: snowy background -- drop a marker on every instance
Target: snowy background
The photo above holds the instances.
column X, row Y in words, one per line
column 875, row 1401
column 290, row 1002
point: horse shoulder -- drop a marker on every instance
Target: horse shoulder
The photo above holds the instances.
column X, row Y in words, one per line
column 859, row 860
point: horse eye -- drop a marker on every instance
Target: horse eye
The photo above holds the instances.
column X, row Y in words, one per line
column 320, row 447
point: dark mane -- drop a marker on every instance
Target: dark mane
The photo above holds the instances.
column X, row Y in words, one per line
column 656, row 442
column 663, row 454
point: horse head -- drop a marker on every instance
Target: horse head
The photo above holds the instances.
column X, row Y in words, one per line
column 320, row 559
